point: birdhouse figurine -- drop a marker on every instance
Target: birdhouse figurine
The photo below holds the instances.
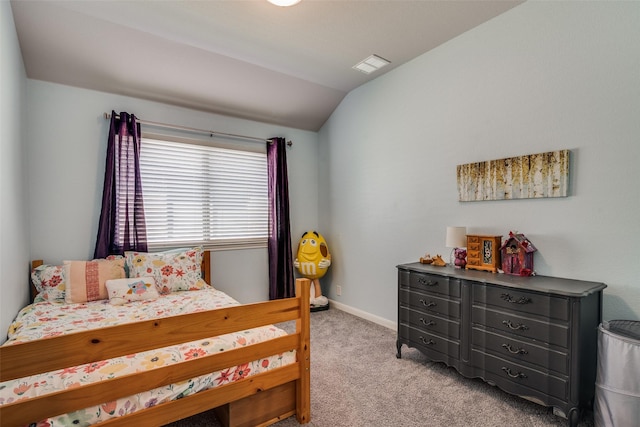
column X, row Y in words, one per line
column 517, row 255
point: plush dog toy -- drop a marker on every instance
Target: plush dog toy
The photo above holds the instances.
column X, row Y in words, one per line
column 312, row 262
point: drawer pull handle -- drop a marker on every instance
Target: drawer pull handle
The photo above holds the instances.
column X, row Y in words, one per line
column 428, row 304
column 521, row 300
column 512, row 375
column 429, row 323
column 427, row 282
column 517, row 327
column 427, row 342
column 516, row 351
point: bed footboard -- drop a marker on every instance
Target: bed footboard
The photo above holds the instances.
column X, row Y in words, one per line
column 290, row 382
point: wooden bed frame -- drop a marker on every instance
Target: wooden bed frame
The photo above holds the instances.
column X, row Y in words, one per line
column 257, row 400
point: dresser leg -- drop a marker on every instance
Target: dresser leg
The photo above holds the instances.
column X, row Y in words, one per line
column 574, row 417
column 398, row 346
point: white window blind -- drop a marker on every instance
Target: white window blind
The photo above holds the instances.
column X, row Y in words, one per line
column 197, row 194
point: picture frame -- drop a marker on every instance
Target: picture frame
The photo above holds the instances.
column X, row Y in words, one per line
column 524, row 177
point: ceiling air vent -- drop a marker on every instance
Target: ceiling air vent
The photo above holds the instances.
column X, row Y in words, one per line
column 371, row 64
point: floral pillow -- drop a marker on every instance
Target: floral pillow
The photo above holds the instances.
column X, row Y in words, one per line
column 122, row 291
column 86, row 280
column 174, row 270
column 49, row 281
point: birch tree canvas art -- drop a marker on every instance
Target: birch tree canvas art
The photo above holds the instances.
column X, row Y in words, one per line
column 524, row 177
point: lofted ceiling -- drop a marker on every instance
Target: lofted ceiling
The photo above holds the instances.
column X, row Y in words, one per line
column 243, row 58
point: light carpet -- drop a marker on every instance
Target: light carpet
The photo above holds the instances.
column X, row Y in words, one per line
column 357, row 381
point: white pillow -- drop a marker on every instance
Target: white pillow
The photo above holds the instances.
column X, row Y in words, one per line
column 122, row 291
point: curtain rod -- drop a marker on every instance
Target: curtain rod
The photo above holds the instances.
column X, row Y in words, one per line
column 107, row 116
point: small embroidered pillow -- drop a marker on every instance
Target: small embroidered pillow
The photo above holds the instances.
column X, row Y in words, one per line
column 122, row 291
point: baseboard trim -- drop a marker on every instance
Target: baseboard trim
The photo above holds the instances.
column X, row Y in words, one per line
column 363, row 314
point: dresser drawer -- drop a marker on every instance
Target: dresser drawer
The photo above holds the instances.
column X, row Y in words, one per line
column 430, row 323
column 473, row 259
column 442, row 285
column 553, row 307
column 431, row 342
column 508, row 322
column 473, row 248
column 429, row 303
column 520, row 350
column 515, row 378
column 473, row 241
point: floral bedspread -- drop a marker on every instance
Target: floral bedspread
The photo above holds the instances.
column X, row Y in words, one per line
column 46, row 319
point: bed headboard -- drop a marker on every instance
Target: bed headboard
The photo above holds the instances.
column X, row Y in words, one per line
column 206, row 271
column 206, row 266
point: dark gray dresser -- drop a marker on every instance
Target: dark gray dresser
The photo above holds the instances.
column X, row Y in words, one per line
column 535, row 337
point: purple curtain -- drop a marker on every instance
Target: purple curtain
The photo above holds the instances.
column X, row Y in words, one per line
column 281, row 281
column 122, row 226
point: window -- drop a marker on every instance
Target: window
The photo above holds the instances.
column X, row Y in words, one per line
column 200, row 194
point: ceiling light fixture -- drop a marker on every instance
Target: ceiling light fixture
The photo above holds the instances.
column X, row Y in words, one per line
column 371, row 64
column 284, row 3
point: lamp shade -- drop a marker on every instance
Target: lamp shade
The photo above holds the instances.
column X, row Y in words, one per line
column 456, row 237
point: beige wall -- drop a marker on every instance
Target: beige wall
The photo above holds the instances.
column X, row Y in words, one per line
column 14, row 230
column 543, row 76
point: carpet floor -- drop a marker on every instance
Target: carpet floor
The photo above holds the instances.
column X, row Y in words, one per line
column 357, row 381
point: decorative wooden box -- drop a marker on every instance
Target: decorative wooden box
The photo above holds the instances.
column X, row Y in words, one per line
column 483, row 252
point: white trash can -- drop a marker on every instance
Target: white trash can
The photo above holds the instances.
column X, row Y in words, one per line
column 617, row 395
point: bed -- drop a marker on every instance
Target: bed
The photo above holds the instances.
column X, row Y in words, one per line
column 155, row 363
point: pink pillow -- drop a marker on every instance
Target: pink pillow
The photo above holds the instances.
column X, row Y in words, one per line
column 86, row 279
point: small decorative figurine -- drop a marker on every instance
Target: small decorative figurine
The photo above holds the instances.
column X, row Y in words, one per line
column 438, row 261
column 460, row 257
column 426, row 259
column 517, row 255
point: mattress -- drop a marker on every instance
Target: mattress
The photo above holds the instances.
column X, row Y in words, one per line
column 46, row 319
